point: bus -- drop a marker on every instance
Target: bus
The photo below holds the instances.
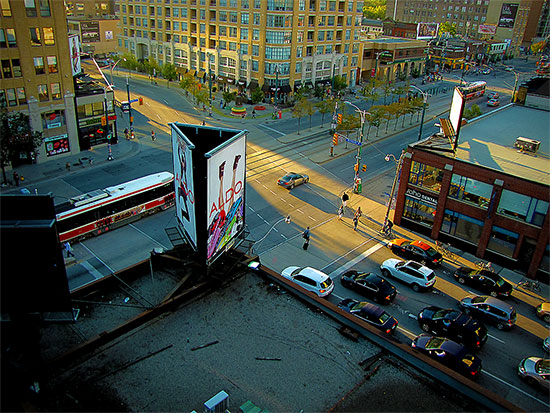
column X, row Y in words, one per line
column 473, row 89
column 102, row 210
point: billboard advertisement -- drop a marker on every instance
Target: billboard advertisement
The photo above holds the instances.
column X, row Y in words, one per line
column 89, row 31
column 74, row 50
column 456, row 111
column 183, row 182
column 226, row 169
column 426, row 31
column 487, row 29
column 508, row 15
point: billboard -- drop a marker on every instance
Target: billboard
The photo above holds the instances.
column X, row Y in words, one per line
column 508, row 15
column 74, row 50
column 183, row 181
column 487, row 29
column 455, row 113
column 426, row 31
column 89, row 31
column 226, row 168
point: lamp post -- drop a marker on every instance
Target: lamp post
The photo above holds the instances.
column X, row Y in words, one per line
column 286, row 219
column 106, row 114
column 516, row 76
column 425, row 98
column 209, row 55
column 363, row 114
column 398, row 163
column 130, row 117
column 276, row 85
column 112, row 67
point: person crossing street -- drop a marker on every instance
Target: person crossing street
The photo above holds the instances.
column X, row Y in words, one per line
column 153, row 137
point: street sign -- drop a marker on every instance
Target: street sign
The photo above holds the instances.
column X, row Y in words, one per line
column 134, row 100
column 352, row 141
column 125, row 106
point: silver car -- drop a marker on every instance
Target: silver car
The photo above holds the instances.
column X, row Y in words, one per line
column 535, row 371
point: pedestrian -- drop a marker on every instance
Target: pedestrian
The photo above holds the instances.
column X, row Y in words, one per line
column 132, row 136
column 210, row 111
column 358, row 212
column 153, row 138
column 305, row 236
column 68, row 249
column 68, row 166
column 345, row 199
column 355, row 222
column 126, row 134
column 203, row 123
column 221, row 104
column 16, row 178
column 341, row 212
column 332, row 149
column 243, row 116
column 253, row 113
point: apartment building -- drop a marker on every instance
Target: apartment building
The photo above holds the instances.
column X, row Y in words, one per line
column 89, row 8
column 37, row 77
column 499, row 20
column 249, row 43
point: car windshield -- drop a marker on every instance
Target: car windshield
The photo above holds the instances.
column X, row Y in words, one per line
column 297, row 270
column 445, row 313
column 358, row 306
column 543, row 366
column 384, row 317
column 478, row 299
column 431, row 252
column 327, row 283
column 501, row 282
column 286, row 178
column 435, row 342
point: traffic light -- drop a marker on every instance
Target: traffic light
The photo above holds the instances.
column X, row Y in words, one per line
column 339, row 119
column 335, row 139
column 356, row 167
column 140, row 101
column 364, row 168
column 103, row 121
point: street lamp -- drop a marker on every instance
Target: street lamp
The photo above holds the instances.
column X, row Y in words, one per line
column 425, row 98
column 363, row 114
column 286, row 219
column 112, row 67
column 209, row 55
column 130, row 117
column 398, row 163
column 106, row 112
column 516, row 76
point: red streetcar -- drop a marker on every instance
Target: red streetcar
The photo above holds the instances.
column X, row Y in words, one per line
column 102, row 210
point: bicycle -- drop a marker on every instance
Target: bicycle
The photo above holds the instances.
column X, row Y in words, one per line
column 444, row 249
column 482, row 265
column 531, row 285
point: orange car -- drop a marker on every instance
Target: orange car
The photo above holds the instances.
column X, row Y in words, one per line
column 417, row 251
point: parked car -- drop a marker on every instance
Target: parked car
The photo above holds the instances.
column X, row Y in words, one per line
column 410, row 272
column 311, row 279
column 292, row 179
column 491, row 309
column 492, row 95
column 493, row 102
column 484, row 280
column 486, row 71
column 543, row 311
column 449, row 353
column 417, row 251
column 369, row 313
column 546, row 344
column 369, row 285
column 453, row 324
column 535, row 371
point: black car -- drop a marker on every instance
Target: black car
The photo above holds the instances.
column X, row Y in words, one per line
column 483, row 280
column 453, row 324
column 449, row 353
column 369, row 285
column 369, row 313
column 417, row 251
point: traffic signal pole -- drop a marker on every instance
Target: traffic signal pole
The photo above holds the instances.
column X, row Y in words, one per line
column 130, row 117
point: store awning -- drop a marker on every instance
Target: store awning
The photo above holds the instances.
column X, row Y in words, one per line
column 225, row 79
column 242, row 82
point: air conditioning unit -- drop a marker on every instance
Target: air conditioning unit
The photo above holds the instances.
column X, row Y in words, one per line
column 217, row 404
column 526, row 144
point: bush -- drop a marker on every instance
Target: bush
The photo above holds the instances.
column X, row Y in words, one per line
column 472, row 112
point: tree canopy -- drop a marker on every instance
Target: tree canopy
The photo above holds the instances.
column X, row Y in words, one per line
column 374, row 9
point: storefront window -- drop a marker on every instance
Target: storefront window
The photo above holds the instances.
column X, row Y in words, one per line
column 462, row 226
column 471, row 191
column 426, row 176
column 522, row 207
column 53, row 119
column 419, row 207
column 502, row 241
column 56, row 145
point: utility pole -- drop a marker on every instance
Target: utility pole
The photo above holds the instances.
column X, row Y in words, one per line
column 276, row 85
column 130, row 117
column 106, row 114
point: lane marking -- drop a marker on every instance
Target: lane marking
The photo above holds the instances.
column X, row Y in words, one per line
column 158, row 116
column 148, row 236
column 515, row 388
column 354, row 261
column 273, row 130
column 272, row 192
column 292, row 206
column 92, row 270
column 165, row 101
column 259, row 216
column 310, row 217
column 497, row 339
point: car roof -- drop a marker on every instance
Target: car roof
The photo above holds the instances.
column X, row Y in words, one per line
column 495, row 302
column 419, row 267
column 314, row 274
column 421, row 244
column 371, row 309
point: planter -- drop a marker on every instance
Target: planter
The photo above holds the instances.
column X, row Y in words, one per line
column 238, row 111
column 259, row 107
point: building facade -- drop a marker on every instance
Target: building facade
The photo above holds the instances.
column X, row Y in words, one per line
column 36, row 73
column 248, row 42
column 500, row 20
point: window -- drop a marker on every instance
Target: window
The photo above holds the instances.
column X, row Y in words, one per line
column 420, row 207
column 35, row 36
column 255, row 50
column 244, row 18
column 522, row 207
column 56, row 91
column 43, row 93
column 425, row 176
column 244, row 47
column 16, row 67
column 462, row 226
column 39, row 65
column 470, row 190
column 255, row 65
column 298, row 67
column 3, row 42
column 10, row 95
column 255, row 34
column 257, row 18
column 6, row 69
column 233, row 17
column 244, row 34
column 48, row 36
column 44, row 8
column 6, row 9
column 10, row 35
column 30, row 8
column 502, row 241
column 21, row 98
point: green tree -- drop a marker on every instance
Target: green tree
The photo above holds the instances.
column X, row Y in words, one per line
column 374, row 9
column 299, row 110
column 447, row 27
column 188, row 82
column 374, row 117
column 202, row 96
column 325, row 106
column 151, row 66
column 386, row 91
column 229, row 97
column 309, row 109
column 472, row 112
column 339, row 84
column 16, row 136
column 169, row 72
column 130, row 62
column 257, row 95
column 319, row 91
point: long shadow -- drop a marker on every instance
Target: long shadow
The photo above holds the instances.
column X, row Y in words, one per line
column 317, row 197
column 480, row 154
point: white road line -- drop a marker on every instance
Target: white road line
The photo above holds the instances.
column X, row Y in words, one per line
column 259, row 216
column 275, row 229
column 283, row 236
column 354, row 261
column 497, row 339
column 310, row 217
column 271, row 129
column 282, row 199
column 266, row 222
column 158, row 116
column 147, row 235
column 515, row 388
column 252, row 209
column 165, row 101
column 299, row 211
column 99, row 259
column 290, row 205
column 91, row 269
column 272, row 192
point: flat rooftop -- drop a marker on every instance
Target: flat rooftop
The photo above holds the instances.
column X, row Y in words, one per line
column 489, row 142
